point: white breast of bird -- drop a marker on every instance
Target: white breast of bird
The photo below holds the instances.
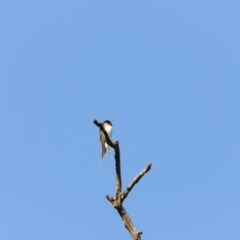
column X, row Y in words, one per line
column 108, row 129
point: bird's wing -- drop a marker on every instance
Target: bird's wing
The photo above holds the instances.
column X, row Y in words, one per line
column 102, row 140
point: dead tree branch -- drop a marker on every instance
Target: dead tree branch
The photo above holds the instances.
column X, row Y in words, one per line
column 117, row 201
column 135, row 180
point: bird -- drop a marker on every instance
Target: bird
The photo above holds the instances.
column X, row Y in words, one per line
column 107, row 125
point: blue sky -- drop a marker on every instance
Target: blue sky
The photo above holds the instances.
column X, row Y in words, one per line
column 166, row 73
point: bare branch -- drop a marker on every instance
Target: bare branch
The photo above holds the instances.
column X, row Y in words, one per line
column 128, row 224
column 110, row 199
column 119, row 197
column 118, row 173
column 135, row 181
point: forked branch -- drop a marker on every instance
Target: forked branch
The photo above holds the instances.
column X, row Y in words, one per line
column 117, row 201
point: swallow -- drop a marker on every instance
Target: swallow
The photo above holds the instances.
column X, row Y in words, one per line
column 107, row 125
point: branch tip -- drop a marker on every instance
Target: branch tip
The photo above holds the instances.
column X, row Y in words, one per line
column 110, row 199
column 135, row 181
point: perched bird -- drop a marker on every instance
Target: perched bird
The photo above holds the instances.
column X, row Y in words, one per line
column 107, row 125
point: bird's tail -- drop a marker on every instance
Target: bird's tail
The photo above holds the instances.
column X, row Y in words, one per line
column 103, row 151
